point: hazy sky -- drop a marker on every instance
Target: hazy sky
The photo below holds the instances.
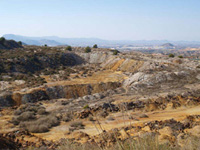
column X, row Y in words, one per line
column 106, row 19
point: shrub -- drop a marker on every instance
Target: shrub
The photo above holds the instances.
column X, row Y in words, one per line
column 87, row 49
column 2, row 40
column 110, row 118
column 17, row 112
column 77, row 124
column 180, row 56
column 32, row 108
column 145, row 143
column 38, row 128
column 67, row 117
column 86, row 106
column 103, row 114
column 91, row 119
column 95, row 46
column 69, row 48
column 171, row 55
column 41, row 111
column 20, row 43
column 115, row 52
column 26, row 116
column 15, row 121
column 42, row 124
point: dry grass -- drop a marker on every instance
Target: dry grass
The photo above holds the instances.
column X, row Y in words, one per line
column 148, row 142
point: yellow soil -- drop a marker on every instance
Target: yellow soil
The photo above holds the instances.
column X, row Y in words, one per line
column 117, row 64
column 121, row 120
column 103, row 76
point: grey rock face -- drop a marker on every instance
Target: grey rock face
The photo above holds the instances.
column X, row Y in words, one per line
column 141, row 78
column 97, row 57
column 88, row 97
column 98, row 95
column 55, row 92
column 34, row 97
column 6, row 99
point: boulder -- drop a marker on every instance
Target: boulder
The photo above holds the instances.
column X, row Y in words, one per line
column 34, row 96
column 98, row 95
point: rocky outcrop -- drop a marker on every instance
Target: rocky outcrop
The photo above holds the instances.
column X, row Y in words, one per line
column 34, row 96
column 151, row 79
column 95, row 58
column 56, row 92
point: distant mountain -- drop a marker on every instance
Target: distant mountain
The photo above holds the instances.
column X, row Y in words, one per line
column 168, row 45
column 32, row 40
column 55, row 41
column 9, row 44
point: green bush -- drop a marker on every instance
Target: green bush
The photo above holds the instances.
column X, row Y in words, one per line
column 171, row 55
column 115, row 52
column 87, row 49
column 69, row 48
column 2, row 40
column 180, row 56
column 20, row 43
column 95, row 46
column 86, row 106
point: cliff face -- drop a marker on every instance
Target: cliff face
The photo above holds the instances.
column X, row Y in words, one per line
column 111, row 62
column 95, row 57
column 55, row 92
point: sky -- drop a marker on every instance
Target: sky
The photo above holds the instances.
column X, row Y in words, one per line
column 105, row 19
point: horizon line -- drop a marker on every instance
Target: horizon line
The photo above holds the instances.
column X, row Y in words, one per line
column 100, row 38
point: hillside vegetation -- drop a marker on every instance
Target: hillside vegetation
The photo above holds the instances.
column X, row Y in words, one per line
column 9, row 44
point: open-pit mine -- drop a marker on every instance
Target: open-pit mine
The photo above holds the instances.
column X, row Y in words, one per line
column 51, row 97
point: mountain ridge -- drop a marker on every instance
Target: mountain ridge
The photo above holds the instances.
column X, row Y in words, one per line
column 56, row 41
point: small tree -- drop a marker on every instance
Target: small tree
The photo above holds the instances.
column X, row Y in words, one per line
column 69, row 48
column 20, row 43
column 115, row 52
column 95, row 46
column 2, row 39
column 45, row 45
column 180, row 56
column 171, row 55
column 87, row 49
